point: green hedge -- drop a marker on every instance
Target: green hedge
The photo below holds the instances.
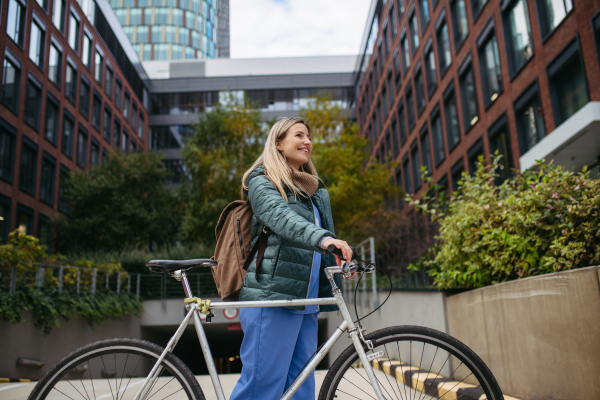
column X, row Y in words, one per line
column 533, row 223
column 49, row 306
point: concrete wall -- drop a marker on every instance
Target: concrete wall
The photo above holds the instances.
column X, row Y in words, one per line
column 540, row 336
column 23, row 340
column 424, row 308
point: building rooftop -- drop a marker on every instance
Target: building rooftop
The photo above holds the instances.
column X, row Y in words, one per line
column 223, row 67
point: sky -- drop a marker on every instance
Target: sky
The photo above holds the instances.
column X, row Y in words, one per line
column 290, row 28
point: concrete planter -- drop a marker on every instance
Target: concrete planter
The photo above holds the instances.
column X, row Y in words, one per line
column 540, row 336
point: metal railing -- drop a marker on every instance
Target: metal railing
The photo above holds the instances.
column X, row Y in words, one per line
column 89, row 280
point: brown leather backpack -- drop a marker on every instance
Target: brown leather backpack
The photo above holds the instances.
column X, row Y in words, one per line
column 233, row 254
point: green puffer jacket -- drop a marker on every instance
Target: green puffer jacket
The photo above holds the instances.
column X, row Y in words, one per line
column 284, row 271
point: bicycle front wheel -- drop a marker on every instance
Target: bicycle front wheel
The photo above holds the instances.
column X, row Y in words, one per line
column 116, row 369
column 413, row 362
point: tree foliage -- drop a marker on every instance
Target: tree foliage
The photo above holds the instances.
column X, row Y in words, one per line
column 122, row 204
column 534, row 223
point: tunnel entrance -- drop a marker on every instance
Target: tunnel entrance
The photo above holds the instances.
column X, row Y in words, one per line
column 224, row 340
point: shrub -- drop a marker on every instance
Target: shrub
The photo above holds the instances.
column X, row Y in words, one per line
column 534, row 223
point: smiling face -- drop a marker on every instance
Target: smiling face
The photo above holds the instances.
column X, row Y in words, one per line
column 296, row 146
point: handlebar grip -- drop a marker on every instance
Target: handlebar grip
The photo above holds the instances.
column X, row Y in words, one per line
column 334, row 250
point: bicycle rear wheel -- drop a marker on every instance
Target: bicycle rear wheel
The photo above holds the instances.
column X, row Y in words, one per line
column 416, row 363
column 115, row 369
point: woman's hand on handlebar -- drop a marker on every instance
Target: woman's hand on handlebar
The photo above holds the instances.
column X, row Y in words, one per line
column 344, row 248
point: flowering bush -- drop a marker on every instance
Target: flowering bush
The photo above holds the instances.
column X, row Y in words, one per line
column 534, row 223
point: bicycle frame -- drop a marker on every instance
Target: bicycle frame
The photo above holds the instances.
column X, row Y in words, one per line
column 355, row 334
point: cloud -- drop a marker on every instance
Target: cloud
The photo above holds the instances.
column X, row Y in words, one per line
column 289, row 28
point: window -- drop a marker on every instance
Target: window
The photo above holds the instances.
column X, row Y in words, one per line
column 161, row 15
column 107, row 124
column 68, row 134
column 489, row 64
column 420, row 89
column 141, row 127
column 82, row 144
column 125, row 141
column 397, row 69
column 116, row 133
column 98, row 67
column 184, row 35
column 96, row 111
column 414, row 32
column 84, row 97
column 477, row 6
column 518, row 37
column 451, row 116
column 400, row 10
column 5, row 220
column 551, row 13
column 395, row 138
column 37, row 41
column 170, row 34
column 55, row 64
column 426, row 150
column 405, row 53
column 47, row 179
column 459, row 22
column 473, row 154
column 71, row 83
column 142, row 34
column 424, row 13
column 126, row 104
column 386, row 41
column 161, row 51
column 530, row 118
column 410, row 108
column 8, row 134
column 118, row 94
column 45, row 232
column 406, row 173
column 104, row 155
column 390, row 86
column 33, row 102
column 402, row 124
column 28, row 166
column 437, row 134
column 568, row 88
column 134, row 113
column 500, row 142
column 95, row 152
column 443, row 45
column 63, row 176
column 133, row 146
column 393, row 22
column 456, row 171
column 430, row 68
column 468, row 94
column 190, row 20
column 156, row 33
column 11, row 82
column 15, row 23
column 108, row 83
column 416, row 165
column 51, row 123
column 86, row 50
column 24, row 219
column 58, row 15
column 74, row 34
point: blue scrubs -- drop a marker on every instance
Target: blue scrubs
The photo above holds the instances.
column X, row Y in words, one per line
column 277, row 344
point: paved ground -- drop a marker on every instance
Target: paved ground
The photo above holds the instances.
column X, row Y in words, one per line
column 355, row 389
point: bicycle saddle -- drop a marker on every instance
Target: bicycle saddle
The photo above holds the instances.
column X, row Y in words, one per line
column 170, row 266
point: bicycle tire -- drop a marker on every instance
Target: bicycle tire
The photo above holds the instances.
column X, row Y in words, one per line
column 404, row 380
column 71, row 372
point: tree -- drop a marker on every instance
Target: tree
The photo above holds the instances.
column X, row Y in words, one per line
column 119, row 205
column 224, row 144
column 228, row 139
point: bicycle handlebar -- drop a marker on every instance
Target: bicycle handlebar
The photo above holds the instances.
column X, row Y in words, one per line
column 338, row 252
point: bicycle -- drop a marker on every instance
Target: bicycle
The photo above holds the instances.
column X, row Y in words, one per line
column 379, row 365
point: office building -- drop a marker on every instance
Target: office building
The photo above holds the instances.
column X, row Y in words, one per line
column 441, row 82
column 180, row 90
column 175, row 29
column 73, row 90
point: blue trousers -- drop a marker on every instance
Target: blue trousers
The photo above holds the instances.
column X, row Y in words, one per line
column 276, row 346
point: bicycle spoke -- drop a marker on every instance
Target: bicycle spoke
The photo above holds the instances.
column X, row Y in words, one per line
column 64, row 394
column 172, row 394
column 348, row 394
column 83, row 386
column 91, row 379
column 431, row 365
column 457, row 383
column 76, row 389
column 122, row 375
column 401, row 370
column 136, row 365
column 386, row 375
column 360, row 388
column 160, row 388
column 464, row 394
column 108, row 379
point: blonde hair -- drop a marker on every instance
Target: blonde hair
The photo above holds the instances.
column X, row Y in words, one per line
column 274, row 162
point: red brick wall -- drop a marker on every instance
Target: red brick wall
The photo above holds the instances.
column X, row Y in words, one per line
column 12, row 190
column 577, row 22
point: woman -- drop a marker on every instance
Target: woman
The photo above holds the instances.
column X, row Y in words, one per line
column 282, row 189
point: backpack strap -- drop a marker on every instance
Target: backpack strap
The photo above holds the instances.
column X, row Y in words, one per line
column 260, row 246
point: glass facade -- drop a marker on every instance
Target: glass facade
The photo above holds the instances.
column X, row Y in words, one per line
column 187, row 31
